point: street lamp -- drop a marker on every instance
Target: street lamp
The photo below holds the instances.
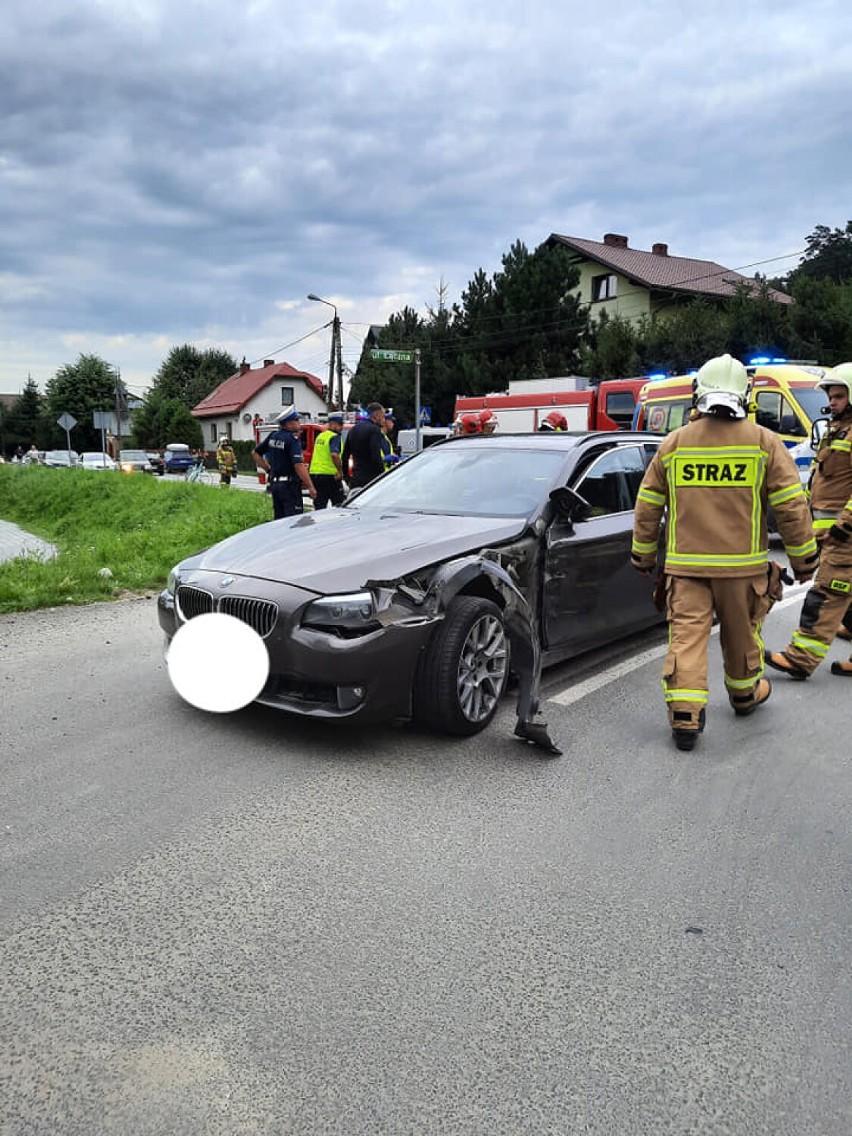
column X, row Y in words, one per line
column 334, row 356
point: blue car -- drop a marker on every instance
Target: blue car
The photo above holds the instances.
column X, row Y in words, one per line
column 177, row 458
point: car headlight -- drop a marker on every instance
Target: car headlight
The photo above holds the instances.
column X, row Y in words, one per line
column 173, row 581
column 353, row 614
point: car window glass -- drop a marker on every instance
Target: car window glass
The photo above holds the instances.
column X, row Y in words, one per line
column 610, row 483
column 474, row 481
column 768, row 410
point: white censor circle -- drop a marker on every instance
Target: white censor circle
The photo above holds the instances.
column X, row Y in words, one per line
column 217, row 663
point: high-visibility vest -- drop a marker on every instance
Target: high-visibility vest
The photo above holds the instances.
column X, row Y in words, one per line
column 321, row 460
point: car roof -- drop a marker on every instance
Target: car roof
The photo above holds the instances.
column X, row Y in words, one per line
column 566, row 440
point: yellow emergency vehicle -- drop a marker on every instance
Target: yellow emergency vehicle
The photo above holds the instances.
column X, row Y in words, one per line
column 784, row 398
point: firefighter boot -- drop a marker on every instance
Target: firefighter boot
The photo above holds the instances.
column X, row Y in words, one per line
column 842, row 669
column 685, row 739
column 779, row 662
column 745, row 704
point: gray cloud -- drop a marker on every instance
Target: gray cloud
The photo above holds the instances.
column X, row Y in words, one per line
column 189, row 171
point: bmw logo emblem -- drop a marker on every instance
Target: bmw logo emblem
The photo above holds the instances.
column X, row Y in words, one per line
column 226, row 581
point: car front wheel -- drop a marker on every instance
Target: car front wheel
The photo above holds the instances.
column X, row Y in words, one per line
column 464, row 670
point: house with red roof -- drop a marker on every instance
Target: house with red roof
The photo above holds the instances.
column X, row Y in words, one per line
column 258, row 395
column 632, row 283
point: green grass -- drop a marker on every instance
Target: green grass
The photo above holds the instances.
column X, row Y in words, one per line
column 136, row 526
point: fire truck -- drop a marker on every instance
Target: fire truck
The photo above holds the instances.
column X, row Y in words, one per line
column 608, row 405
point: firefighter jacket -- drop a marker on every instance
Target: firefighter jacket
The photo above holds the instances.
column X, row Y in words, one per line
column 831, row 480
column 716, row 477
column 226, row 460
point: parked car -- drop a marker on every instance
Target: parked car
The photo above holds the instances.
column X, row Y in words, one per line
column 474, row 546
column 177, row 458
column 156, row 461
column 62, row 459
column 134, row 461
column 94, row 459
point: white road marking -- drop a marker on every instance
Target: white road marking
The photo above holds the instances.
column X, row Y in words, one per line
column 590, row 685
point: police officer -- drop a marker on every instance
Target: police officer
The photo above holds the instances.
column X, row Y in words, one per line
column 280, row 455
column 364, row 446
column 716, row 477
column 326, row 467
column 826, row 605
column 390, row 457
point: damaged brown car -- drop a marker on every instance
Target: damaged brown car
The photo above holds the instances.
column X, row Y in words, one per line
column 477, row 556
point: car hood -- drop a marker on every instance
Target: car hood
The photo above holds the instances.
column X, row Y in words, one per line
column 338, row 550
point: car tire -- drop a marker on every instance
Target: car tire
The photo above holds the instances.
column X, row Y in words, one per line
column 464, row 670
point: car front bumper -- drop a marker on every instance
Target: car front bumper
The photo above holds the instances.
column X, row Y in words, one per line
column 313, row 673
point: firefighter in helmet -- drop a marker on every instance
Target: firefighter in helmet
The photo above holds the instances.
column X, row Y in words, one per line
column 717, row 476
column 826, row 611
column 487, row 421
column 555, row 421
column 470, row 424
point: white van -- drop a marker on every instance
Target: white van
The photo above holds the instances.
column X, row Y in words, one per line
column 407, row 439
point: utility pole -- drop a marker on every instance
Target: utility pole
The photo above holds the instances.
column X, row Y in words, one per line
column 118, row 402
column 336, row 336
column 417, row 400
column 334, row 354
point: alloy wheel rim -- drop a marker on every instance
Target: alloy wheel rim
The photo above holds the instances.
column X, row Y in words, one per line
column 482, row 668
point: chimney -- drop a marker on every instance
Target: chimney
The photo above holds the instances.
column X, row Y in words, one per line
column 244, row 366
column 660, row 249
column 269, row 362
column 615, row 240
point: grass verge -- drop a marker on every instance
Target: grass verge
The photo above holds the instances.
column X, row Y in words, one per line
column 138, row 527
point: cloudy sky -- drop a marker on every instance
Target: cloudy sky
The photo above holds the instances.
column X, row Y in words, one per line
column 186, row 172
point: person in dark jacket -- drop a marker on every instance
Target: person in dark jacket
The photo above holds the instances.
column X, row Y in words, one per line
column 280, row 456
column 365, row 447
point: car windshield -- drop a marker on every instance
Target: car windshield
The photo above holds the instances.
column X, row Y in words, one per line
column 133, row 456
column 467, row 480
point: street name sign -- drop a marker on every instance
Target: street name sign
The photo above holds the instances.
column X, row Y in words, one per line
column 392, row 356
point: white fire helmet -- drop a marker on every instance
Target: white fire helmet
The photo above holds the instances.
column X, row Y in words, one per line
column 839, row 376
column 722, row 382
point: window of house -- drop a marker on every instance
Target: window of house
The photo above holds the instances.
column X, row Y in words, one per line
column 604, row 287
column 288, row 396
column 213, row 432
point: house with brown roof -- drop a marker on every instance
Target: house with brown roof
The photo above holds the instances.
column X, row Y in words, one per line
column 632, row 283
column 259, row 393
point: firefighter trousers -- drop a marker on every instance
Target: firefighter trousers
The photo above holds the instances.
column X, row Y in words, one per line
column 825, row 607
column 741, row 604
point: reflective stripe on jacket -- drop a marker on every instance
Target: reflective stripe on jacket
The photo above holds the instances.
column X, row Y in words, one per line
column 831, row 483
column 716, row 478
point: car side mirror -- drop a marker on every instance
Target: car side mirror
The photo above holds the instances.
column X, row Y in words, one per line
column 569, row 505
column 818, row 429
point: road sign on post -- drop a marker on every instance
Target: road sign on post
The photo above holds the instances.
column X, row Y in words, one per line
column 384, row 355
column 67, row 422
column 392, row 356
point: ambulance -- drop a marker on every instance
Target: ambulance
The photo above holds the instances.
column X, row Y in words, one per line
column 784, row 397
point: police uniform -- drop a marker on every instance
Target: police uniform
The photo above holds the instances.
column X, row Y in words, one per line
column 715, row 477
column 283, row 450
column 324, row 473
column 826, row 606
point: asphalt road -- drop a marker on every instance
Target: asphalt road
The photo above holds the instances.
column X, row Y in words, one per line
column 246, row 924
